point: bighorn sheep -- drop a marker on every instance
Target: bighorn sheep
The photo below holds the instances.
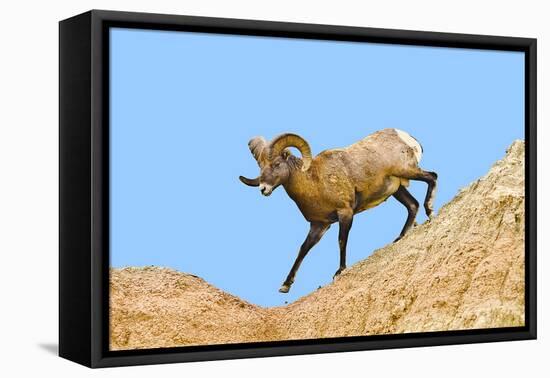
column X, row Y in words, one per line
column 339, row 183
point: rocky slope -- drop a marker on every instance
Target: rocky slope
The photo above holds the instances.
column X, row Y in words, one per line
column 462, row 270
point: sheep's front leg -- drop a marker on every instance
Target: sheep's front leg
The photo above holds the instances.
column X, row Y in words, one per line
column 345, row 220
column 316, row 232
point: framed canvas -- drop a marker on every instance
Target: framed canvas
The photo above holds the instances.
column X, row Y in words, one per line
column 211, row 171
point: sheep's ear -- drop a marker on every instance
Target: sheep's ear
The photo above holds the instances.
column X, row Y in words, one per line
column 286, row 154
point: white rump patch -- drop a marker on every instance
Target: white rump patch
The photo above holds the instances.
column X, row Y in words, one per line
column 411, row 142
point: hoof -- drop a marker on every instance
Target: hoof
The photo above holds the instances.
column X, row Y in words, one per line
column 430, row 214
column 338, row 272
column 284, row 289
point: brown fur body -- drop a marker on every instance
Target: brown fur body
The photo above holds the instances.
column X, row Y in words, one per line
column 339, row 183
column 357, row 177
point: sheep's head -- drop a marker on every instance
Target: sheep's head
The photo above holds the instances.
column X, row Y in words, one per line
column 276, row 162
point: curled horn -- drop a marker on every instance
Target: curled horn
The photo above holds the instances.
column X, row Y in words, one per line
column 258, row 147
column 250, row 182
column 283, row 141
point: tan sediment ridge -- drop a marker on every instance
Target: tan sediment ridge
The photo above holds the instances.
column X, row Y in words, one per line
column 462, row 270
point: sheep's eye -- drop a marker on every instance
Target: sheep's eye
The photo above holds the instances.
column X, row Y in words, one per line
column 276, row 165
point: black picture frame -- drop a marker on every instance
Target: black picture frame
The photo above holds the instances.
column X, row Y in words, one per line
column 84, row 193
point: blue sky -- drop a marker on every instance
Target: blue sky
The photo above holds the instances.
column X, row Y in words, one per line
column 184, row 105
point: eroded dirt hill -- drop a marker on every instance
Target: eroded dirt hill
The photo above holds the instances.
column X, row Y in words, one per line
column 462, row 270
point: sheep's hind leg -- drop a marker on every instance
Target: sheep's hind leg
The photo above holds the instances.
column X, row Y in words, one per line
column 407, row 200
column 429, row 178
column 345, row 220
column 316, row 232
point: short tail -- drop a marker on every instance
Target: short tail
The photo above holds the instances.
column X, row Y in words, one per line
column 412, row 143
